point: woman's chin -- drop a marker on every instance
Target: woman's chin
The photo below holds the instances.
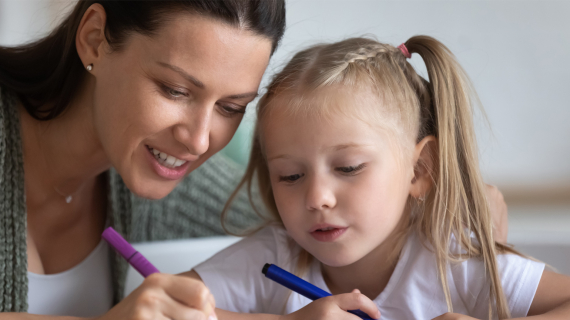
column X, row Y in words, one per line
column 150, row 188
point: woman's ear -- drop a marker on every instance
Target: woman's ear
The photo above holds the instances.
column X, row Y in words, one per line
column 90, row 36
column 425, row 155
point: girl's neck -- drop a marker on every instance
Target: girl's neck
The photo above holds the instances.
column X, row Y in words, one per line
column 370, row 274
column 64, row 154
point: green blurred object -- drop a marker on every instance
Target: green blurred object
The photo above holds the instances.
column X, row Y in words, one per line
column 240, row 146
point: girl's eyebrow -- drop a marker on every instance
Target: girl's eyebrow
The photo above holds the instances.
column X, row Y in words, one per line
column 346, row 145
column 332, row 148
column 281, row 156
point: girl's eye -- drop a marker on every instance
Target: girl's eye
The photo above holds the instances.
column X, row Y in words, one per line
column 231, row 110
column 291, row 178
column 351, row 170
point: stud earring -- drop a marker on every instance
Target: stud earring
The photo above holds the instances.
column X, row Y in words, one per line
column 89, row 67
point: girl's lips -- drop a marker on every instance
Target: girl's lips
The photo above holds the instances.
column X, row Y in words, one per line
column 328, row 235
column 165, row 172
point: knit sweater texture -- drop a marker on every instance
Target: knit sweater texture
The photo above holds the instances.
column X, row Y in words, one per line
column 192, row 209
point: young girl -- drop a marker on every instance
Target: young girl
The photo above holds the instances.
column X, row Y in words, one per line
column 371, row 175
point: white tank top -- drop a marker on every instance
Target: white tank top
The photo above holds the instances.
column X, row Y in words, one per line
column 85, row 290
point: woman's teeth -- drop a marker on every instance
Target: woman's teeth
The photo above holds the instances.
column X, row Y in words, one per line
column 167, row 160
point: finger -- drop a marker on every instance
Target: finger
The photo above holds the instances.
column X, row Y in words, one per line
column 177, row 311
column 187, row 291
column 212, row 301
column 356, row 300
column 442, row 317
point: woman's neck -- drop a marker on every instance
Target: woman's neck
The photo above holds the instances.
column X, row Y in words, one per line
column 370, row 274
column 62, row 155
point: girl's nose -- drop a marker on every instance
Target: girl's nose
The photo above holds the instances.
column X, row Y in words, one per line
column 320, row 195
column 194, row 132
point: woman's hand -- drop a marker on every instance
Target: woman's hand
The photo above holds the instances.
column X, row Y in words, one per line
column 499, row 214
column 165, row 296
column 453, row 316
column 334, row 307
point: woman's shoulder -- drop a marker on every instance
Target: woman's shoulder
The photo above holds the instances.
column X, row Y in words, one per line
column 8, row 110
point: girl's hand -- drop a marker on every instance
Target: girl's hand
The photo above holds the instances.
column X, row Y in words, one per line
column 334, row 307
column 453, row 316
column 165, row 296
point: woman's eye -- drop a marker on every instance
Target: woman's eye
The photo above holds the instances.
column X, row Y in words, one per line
column 350, row 170
column 175, row 93
column 172, row 93
column 291, row 178
column 230, row 111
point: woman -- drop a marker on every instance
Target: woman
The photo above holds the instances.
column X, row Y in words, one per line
column 151, row 89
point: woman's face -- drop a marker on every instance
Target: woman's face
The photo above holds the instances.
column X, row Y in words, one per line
column 164, row 104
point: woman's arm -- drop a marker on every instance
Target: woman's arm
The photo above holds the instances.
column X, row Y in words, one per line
column 160, row 296
column 27, row 316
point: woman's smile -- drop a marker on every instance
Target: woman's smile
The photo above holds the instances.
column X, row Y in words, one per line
column 167, row 166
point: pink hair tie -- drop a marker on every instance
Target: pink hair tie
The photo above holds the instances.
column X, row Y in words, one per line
column 405, row 51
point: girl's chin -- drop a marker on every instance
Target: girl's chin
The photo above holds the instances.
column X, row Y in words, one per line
column 337, row 263
column 337, row 260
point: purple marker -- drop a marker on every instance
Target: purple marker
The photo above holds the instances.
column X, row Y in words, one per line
column 137, row 260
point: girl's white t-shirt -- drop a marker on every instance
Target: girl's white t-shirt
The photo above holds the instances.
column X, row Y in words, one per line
column 414, row 290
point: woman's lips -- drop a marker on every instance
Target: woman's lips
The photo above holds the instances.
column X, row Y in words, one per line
column 165, row 172
column 328, row 234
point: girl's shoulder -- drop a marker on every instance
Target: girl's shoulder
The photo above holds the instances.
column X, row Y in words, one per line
column 234, row 275
column 270, row 244
column 417, row 277
column 519, row 277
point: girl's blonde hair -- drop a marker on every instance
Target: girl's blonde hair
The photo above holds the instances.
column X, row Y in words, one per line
column 457, row 205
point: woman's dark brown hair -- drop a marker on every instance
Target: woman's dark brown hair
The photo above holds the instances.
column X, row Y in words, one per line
column 49, row 70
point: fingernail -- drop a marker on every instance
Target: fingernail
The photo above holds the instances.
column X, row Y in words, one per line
column 212, row 317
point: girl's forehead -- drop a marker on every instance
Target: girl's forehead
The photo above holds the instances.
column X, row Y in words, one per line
column 325, row 107
column 326, row 101
column 360, row 103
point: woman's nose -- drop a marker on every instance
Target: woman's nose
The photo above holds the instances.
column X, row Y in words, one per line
column 320, row 195
column 194, row 133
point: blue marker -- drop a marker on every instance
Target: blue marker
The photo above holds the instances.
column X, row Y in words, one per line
column 301, row 286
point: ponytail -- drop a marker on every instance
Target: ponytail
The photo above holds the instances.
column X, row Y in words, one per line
column 458, row 202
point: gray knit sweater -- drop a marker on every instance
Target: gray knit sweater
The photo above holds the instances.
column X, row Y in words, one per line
column 192, row 209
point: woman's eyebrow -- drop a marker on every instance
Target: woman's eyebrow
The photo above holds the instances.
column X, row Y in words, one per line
column 184, row 74
column 201, row 85
column 251, row 95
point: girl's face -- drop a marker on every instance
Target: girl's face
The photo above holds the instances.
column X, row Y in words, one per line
column 164, row 104
column 339, row 184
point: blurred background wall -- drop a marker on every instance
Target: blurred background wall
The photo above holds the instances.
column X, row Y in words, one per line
column 516, row 53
